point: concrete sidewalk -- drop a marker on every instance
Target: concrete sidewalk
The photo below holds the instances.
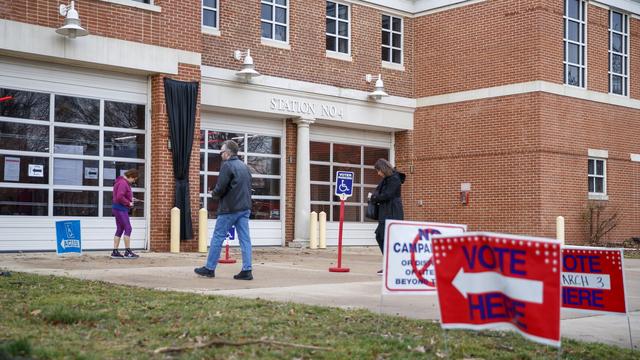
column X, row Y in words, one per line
column 302, row 276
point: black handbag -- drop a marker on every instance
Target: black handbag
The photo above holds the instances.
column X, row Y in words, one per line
column 372, row 210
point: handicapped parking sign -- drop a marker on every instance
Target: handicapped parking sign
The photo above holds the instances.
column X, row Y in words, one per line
column 68, row 237
column 231, row 235
column 344, row 183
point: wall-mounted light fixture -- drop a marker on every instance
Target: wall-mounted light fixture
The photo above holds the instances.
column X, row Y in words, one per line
column 378, row 91
column 71, row 27
column 248, row 70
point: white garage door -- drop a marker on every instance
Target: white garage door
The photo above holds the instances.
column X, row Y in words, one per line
column 65, row 134
column 262, row 147
column 339, row 149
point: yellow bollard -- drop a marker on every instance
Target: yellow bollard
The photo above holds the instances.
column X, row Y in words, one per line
column 202, row 230
column 175, row 230
column 322, row 225
column 560, row 229
column 313, row 231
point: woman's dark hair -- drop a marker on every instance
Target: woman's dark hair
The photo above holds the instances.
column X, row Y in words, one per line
column 132, row 173
column 384, row 167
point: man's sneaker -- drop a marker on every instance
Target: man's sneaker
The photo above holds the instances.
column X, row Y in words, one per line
column 203, row 271
column 128, row 254
column 379, row 272
column 115, row 254
column 243, row 275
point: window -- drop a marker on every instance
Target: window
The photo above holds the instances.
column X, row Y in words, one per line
column 575, row 40
column 263, row 156
column 392, row 39
column 210, row 13
column 143, row 1
column 618, row 53
column 597, row 176
column 338, row 32
column 326, row 159
column 274, row 15
column 64, row 162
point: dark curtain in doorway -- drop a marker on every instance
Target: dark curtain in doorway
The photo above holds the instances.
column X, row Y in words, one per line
column 181, row 98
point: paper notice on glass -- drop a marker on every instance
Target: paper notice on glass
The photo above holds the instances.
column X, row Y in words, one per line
column 91, row 173
column 109, row 174
column 67, row 172
column 36, row 170
column 11, row 168
column 69, row 149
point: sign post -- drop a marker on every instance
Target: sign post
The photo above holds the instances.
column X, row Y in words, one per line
column 68, row 237
column 231, row 235
column 488, row 280
column 344, row 189
column 408, row 256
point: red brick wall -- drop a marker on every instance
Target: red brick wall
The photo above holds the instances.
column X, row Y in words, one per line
column 290, row 192
column 307, row 59
column 488, row 44
column 526, row 159
column 163, row 184
column 598, row 49
column 176, row 26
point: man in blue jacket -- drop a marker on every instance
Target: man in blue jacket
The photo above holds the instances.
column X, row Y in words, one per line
column 234, row 193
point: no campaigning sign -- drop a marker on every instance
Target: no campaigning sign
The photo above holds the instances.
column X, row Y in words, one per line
column 486, row 280
column 408, row 262
column 593, row 279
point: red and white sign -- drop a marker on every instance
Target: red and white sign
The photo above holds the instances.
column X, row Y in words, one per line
column 408, row 261
column 593, row 279
column 486, row 280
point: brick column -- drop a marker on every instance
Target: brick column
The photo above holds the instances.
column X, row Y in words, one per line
column 162, row 180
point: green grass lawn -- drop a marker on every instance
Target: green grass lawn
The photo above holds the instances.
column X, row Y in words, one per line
column 46, row 317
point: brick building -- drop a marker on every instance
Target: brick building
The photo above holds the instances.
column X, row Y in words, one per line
column 533, row 105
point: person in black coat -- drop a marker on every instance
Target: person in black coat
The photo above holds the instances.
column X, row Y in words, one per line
column 387, row 197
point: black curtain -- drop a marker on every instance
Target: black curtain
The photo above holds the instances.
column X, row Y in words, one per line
column 181, row 98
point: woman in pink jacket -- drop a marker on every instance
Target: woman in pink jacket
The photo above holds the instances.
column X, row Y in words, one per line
column 122, row 201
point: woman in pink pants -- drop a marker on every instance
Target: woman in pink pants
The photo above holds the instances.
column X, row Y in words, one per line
column 122, row 201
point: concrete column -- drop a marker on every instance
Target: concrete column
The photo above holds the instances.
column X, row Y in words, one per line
column 303, row 187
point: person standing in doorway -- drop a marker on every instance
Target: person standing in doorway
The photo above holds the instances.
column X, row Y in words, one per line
column 122, row 201
column 387, row 197
column 234, row 193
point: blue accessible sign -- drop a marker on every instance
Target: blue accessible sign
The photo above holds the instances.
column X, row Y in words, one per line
column 231, row 235
column 68, row 238
column 344, row 183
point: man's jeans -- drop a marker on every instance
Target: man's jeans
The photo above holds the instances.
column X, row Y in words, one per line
column 223, row 223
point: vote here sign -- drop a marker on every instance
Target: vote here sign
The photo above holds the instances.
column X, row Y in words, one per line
column 408, row 262
column 593, row 279
column 486, row 280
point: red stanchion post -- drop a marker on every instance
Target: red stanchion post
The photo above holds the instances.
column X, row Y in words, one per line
column 340, row 268
column 226, row 259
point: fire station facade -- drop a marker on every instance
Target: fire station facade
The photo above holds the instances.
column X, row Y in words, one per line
column 531, row 107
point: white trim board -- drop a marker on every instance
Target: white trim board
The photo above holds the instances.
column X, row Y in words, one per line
column 528, row 87
column 92, row 50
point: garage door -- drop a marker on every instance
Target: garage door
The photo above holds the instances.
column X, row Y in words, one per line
column 65, row 134
column 261, row 144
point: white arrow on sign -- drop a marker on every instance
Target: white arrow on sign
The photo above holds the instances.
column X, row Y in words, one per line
column 62, row 244
column 489, row 281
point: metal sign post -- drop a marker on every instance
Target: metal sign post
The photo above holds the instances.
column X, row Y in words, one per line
column 344, row 189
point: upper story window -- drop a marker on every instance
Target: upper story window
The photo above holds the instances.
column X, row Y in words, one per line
column 392, row 39
column 618, row 53
column 274, row 16
column 210, row 13
column 575, row 40
column 597, row 176
column 338, row 34
column 143, row 1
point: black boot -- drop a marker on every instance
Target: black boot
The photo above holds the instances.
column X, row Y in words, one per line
column 244, row 275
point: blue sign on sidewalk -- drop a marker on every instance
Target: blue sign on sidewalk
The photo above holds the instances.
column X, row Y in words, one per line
column 344, row 183
column 231, row 235
column 68, row 238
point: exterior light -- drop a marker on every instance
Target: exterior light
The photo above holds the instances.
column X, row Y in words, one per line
column 248, row 68
column 378, row 91
column 71, row 27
